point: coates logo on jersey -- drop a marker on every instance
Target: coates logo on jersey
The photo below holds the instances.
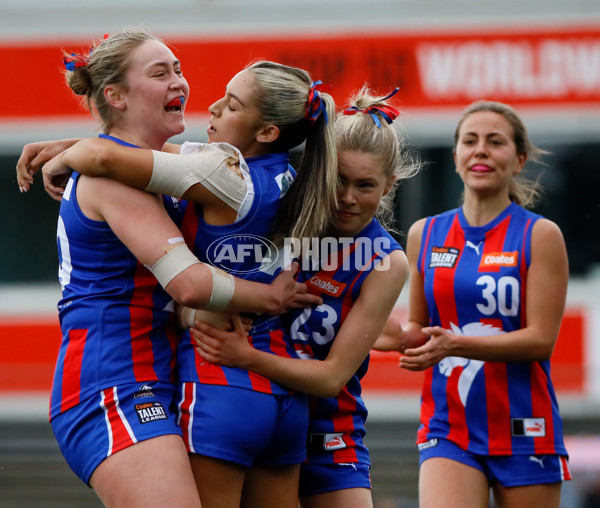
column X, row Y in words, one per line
column 324, row 284
column 443, row 257
column 496, row 260
column 240, row 254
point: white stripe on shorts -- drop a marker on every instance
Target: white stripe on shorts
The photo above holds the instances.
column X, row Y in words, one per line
column 121, row 416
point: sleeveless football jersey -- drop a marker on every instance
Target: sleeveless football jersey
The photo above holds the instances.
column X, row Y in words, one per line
column 475, row 282
column 243, row 250
column 115, row 317
column 337, row 424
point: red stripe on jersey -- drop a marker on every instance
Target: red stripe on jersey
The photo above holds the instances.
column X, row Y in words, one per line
column 496, row 376
column 259, row 383
column 71, row 375
column 141, row 316
column 427, row 406
column 189, row 226
column 497, row 400
column 344, row 422
column 209, row 373
column 494, row 242
column 459, row 432
column 173, row 337
column 278, row 343
column 347, row 301
column 277, row 346
column 443, row 293
column 541, row 407
column 523, row 272
column 120, row 436
column 427, row 400
column 498, row 405
column 343, row 254
column 443, row 281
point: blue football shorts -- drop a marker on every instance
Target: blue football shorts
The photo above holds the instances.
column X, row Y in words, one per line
column 508, row 470
column 243, row 426
column 321, row 478
column 112, row 420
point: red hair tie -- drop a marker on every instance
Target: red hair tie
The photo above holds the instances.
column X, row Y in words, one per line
column 315, row 105
column 74, row 60
column 388, row 113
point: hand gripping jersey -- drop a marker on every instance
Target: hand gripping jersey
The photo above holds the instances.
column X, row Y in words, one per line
column 475, row 282
column 337, row 424
column 243, row 250
column 115, row 317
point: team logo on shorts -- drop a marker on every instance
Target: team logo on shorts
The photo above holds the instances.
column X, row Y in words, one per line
column 150, row 411
column 443, row 257
column 144, row 391
column 427, row 444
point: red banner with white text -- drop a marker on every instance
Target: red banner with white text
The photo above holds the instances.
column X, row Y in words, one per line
column 553, row 67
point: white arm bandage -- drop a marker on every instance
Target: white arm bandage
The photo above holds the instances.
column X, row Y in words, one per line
column 173, row 263
column 216, row 166
column 223, row 287
column 187, row 317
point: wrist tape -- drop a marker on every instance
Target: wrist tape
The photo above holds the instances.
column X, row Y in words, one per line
column 186, row 316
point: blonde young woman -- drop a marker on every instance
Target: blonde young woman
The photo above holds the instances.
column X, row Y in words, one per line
column 359, row 277
column 267, row 109
column 111, row 403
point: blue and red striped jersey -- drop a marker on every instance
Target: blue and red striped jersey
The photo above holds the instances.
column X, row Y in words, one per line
column 475, row 282
column 115, row 318
column 242, row 249
column 338, row 422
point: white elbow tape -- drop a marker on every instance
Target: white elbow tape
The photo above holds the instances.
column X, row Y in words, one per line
column 171, row 174
column 173, row 263
column 223, row 286
column 174, row 174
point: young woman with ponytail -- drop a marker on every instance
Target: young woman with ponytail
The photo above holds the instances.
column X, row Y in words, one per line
column 332, row 340
column 234, row 420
